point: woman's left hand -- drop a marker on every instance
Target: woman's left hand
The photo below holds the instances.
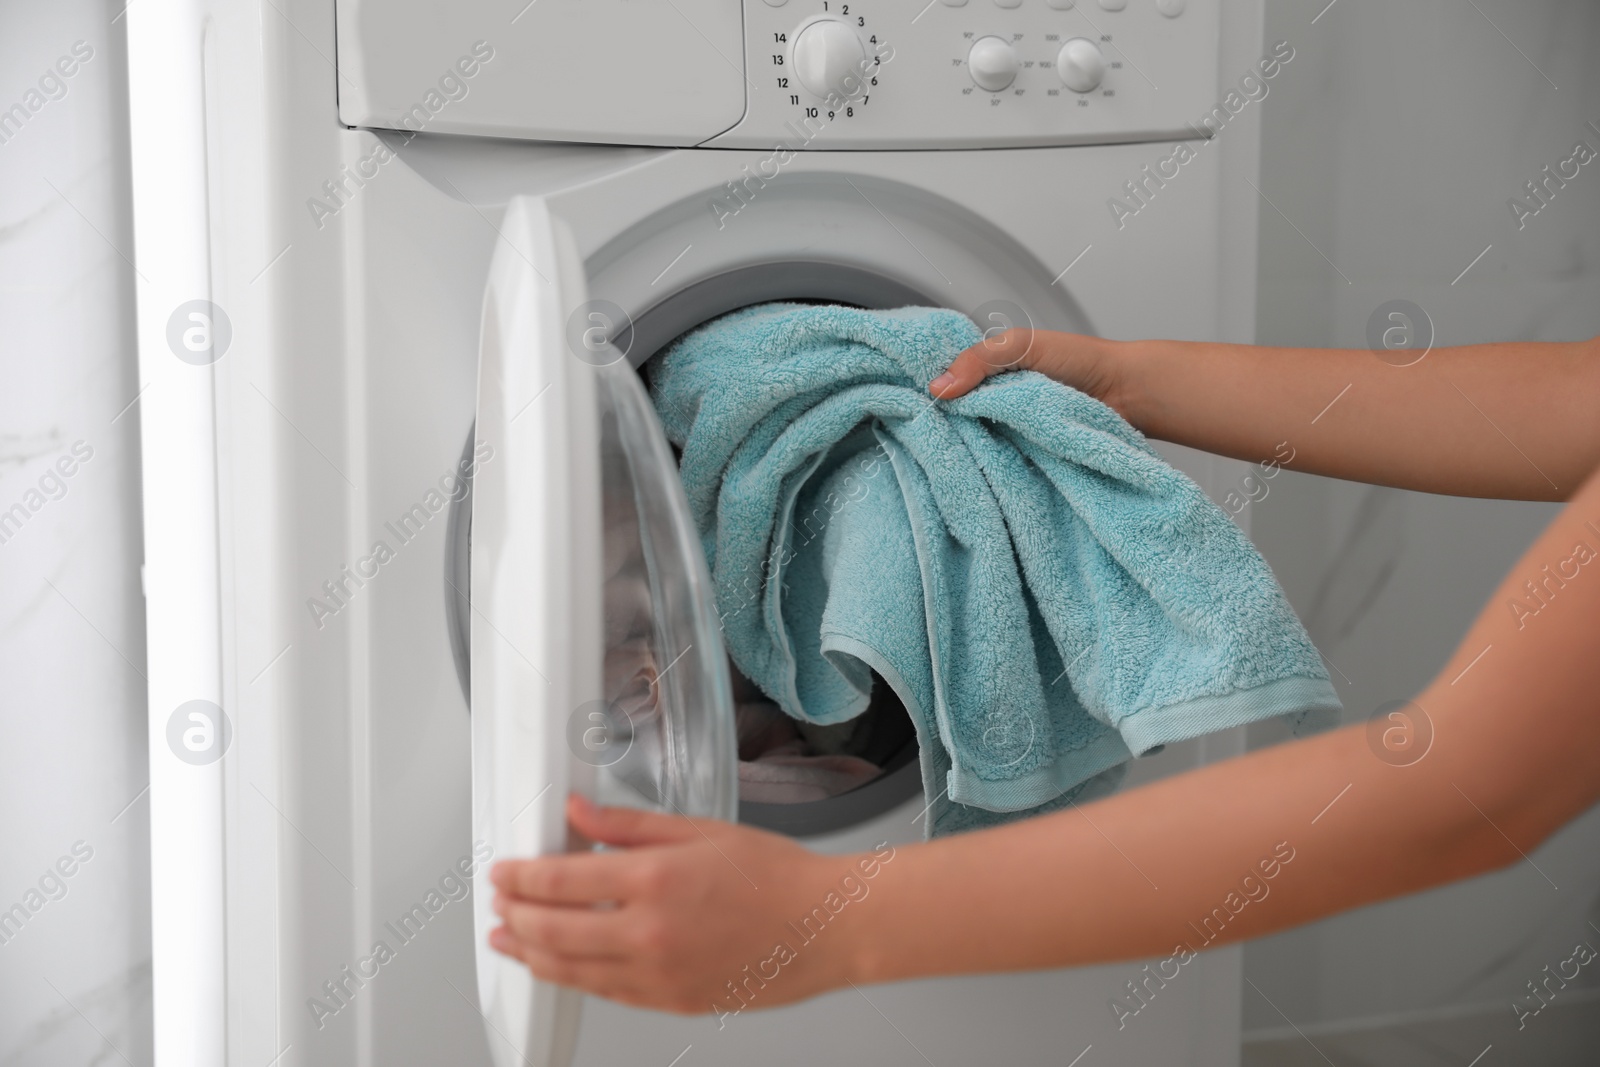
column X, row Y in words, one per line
column 684, row 915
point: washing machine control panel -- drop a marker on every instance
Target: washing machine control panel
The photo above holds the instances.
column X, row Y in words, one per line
column 864, row 74
column 806, row 74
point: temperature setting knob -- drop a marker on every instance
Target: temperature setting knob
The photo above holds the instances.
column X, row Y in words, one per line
column 1081, row 65
column 992, row 63
column 828, row 58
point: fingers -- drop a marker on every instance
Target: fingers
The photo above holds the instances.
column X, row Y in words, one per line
column 593, row 877
column 997, row 352
column 578, row 878
column 600, row 977
column 628, row 826
column 579, row 933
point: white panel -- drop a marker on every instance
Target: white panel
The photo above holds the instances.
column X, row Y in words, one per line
column 1160, row 77
column 612, row 71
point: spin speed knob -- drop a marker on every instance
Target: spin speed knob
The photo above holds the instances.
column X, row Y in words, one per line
column 992, row 63
column 1081, row 65
column 829, row 59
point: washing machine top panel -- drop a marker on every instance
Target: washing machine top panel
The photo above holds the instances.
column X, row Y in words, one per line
column 784, row 75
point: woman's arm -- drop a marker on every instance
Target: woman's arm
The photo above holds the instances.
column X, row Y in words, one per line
column 1515, row 754
column 1518, row 421
column 699, row 911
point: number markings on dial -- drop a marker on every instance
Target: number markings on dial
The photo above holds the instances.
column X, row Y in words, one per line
column 835, row 42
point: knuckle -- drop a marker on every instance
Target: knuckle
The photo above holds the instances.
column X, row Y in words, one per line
column 535, row 876
column 653, row 877
column 517, row 882
column 516, row 920
column 550, row 881
column 626, row 820
column 534, row 927
column 653, row 937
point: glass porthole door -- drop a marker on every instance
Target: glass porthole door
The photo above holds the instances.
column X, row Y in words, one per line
column 597, row 663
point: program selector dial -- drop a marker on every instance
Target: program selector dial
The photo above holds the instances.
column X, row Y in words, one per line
column 1081, row 65
column 828, row 58
column 992, row 63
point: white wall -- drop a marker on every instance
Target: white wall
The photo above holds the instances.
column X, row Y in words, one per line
column 74, row 980
column 1393, row 142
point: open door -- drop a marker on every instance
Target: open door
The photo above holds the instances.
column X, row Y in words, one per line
column 596, row 656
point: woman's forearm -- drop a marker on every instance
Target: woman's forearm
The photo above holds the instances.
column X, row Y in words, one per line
column 1500, row 420
column 1295, row 832
column 1220, row 854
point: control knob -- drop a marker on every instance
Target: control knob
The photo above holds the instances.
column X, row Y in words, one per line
column 992, row 63
column 828, row 59
column 1081, row 65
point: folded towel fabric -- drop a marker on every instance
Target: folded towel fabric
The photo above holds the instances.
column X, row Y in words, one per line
column 1046, row 595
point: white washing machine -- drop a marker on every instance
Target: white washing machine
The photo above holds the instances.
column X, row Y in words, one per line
column 399, row 452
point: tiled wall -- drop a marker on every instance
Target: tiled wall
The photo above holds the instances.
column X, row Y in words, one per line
column 1391, row 148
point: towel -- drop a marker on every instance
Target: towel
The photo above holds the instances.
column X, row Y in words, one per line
column 1046, row 596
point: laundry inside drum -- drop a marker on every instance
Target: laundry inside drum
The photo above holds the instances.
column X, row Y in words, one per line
column 783, row 760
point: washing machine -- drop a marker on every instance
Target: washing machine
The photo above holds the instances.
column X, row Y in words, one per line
column 413, row 532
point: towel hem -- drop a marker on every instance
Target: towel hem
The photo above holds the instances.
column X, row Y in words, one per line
column 1039, row 786
column 1149, row 727
column 1043, row 784
column 926, row 755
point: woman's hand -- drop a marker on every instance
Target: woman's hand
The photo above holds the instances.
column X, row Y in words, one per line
column 1085, row 363
column 684, row 915
column 1511, row 420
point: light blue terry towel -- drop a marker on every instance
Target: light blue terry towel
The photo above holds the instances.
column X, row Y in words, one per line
column 1046, row 595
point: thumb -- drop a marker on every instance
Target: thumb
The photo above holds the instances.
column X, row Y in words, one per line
column 998, row 352
column 627, row 826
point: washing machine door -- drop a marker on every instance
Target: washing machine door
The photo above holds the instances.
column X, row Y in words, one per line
column 596, row 657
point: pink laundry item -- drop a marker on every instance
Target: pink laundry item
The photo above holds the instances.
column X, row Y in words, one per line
column 777, row 764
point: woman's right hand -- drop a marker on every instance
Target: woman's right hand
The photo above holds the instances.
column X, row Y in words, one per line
column 1346, row 414
column 1085, row 363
